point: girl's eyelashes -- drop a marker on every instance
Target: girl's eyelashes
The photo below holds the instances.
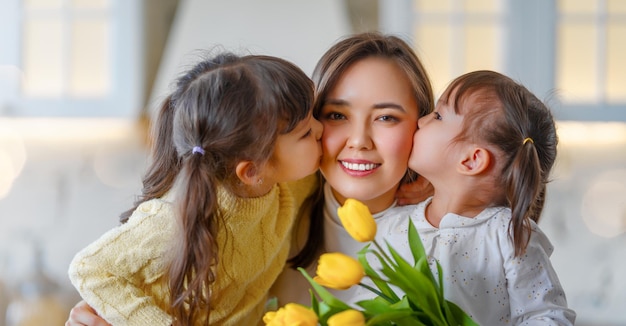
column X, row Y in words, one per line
column 307, row 134
column 437, row 115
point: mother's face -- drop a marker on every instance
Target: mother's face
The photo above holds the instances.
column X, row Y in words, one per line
column 369, row 119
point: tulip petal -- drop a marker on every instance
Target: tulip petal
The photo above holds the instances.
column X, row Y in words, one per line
column 357, row 220
column 326, row 296
column 348, row 317
column 338, row 271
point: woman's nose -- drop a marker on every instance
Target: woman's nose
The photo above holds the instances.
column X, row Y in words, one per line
column 360, row 138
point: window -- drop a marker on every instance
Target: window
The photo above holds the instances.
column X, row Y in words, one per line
column 453, row 37
column 568, row 51
column 71, row 58
column 590, row 65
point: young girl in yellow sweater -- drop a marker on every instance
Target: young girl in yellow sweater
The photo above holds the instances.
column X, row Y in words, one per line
column 207, row 250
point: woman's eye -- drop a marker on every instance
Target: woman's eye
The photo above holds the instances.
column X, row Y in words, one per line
column 437, row 115
column 388, row 118
column 335, row 116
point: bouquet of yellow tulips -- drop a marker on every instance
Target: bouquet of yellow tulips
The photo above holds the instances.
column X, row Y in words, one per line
column 422, row 302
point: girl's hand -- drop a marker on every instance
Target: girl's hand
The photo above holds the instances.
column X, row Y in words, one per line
column 84, row 315
column 414, row 192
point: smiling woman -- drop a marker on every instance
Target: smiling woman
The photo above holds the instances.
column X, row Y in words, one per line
column 369, row 118
column 371, row 88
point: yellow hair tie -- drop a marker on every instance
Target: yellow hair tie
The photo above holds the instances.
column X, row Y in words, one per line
column 528, row 139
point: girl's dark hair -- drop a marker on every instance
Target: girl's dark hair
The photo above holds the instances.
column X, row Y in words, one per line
column 508, row 116
column 164, row 167
column 329, row 69
column 234, row 108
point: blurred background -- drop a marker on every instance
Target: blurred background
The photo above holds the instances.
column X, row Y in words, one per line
column 80, row 79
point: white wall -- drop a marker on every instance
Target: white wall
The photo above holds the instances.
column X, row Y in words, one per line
column 297, row 30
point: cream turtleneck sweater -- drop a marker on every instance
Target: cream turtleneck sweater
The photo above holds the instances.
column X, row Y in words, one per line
column 291, row 286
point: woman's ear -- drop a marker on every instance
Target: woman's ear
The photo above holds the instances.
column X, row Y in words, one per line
column 247, row 172
column 475, row 161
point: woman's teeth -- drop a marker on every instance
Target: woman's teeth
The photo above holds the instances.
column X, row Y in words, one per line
column 359, row 166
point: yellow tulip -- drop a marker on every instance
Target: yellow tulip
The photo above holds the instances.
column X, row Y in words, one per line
column 269, row 317
column 357, row 220
column 348, row 317
column 338, row 271
column 291, row 314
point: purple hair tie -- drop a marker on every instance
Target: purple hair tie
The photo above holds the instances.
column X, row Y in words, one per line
column 197, row 149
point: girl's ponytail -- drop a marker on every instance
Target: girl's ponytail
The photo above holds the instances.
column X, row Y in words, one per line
column 531, row 146
column 193, row 268
column 524, row 187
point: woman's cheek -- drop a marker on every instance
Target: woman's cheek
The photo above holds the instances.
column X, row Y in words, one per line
column 330, row 144
column 402, row 145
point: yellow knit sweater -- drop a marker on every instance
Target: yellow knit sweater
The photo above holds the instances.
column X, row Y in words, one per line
column 121, row 274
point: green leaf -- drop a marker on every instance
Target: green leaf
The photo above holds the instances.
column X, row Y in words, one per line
column 418, row 252
column 460, row 316
column 407, row 274
column 420, row 289
column 381, row 284
column 326, row 296
column 271, row 304
column 314, row 303
column 423, row 267
column 402, row 304
column 440, row 273
column 397, row 317
column 375, row 306
column 415, row 243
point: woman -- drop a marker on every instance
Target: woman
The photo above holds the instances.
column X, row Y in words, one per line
column 370, row 91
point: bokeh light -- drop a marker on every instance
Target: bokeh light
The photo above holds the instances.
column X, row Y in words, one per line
column 12, row 157
column 604, row 204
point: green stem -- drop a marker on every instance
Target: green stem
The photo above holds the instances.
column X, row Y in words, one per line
column 382, row 252
column 380, row 294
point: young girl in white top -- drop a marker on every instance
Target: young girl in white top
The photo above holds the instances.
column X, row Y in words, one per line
column 208, row 239
column 487, row 149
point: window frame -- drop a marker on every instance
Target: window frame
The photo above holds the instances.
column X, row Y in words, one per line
column 529, row 53
column 126, row 95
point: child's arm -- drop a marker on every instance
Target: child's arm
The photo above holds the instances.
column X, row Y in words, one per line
column 414, row 192
column 84, row 315
column 535, row 293
column 121, row 274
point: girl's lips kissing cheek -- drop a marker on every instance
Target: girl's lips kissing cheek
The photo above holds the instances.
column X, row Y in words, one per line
column 359, row 168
